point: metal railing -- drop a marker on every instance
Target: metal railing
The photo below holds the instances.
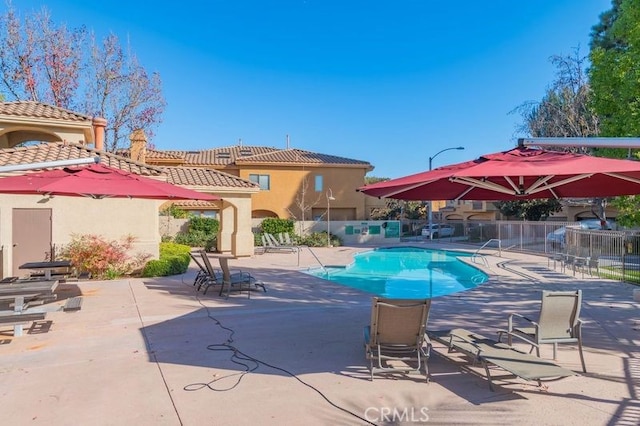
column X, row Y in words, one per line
column 609, row 254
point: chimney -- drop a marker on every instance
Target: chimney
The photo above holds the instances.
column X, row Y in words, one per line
column 138, row 149
column 98, row 124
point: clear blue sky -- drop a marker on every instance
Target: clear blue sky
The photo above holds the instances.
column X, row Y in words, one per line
column 389, row 82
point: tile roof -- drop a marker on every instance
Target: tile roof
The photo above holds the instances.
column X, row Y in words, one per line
column 155, row 154
column 221, row 156
column 258, row 155
column 53, row 151
column 198, row 176
column 39, row 110
column 194, row 204
column 298, row 156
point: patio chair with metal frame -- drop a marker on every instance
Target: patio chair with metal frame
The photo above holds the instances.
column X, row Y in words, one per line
column 488, row 353
column 558, row 322
column 397, row 335
column 229, row 280
column 202, row 276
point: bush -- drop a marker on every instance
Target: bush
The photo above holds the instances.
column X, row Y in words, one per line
column 275, row 226
column 174, row 260
column 175, row 211
column 203, row 232
column 319, row 239
column 101, row 258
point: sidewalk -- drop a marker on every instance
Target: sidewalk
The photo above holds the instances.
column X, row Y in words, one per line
column 155, row 352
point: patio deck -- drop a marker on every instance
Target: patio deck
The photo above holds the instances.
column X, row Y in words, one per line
column 155, row 352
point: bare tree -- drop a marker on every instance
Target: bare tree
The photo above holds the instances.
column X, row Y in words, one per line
column 121, row 91
column 301, row 203
column 45, row 62
column 565, row 109
column 39, row 61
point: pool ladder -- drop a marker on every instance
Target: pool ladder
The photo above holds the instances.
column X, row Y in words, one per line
column 477, row 254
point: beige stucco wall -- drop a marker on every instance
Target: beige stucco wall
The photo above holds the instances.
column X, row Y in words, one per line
column 287, row 186
column 112, row 218
column 12, row 134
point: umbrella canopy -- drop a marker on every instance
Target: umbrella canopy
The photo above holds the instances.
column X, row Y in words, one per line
column 97, row 181
column 521, row 173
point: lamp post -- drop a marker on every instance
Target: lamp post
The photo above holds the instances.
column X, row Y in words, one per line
column 329, row 199
column 430, row 210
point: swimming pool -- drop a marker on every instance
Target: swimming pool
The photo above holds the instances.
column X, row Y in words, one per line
column 405, row 273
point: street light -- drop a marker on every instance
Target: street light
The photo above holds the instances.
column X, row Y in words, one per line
column 330, row 198
column 430, row 209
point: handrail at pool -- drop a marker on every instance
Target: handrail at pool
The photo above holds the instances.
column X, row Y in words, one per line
column 316, row 257
column 493, row 240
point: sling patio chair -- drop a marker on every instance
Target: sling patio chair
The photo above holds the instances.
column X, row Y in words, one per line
column 491, row 353
column 235, row 280
column 202, row 276
column 274, row 245
column 397, row 336
column 558, row 322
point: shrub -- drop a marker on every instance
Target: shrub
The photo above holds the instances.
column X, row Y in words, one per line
column 101, row 258
column 175, row 211
column 203, row 232
column 274, row 226
column 174, row 260
column 319, row 239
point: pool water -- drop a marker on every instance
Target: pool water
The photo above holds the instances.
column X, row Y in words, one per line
column 405, row 273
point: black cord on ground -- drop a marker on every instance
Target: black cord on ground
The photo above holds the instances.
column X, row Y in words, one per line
column 250, row 364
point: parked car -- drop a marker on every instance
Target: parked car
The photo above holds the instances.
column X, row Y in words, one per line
column 438, row 231
column 557, row 237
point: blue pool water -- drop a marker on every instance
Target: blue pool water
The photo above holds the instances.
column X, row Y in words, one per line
column 405, row 273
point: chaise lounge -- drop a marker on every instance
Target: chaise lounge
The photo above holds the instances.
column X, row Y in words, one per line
column 489, row 353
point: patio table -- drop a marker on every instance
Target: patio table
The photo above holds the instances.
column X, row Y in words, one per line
column 25, row 287
column 46, row 267
column 17, row 318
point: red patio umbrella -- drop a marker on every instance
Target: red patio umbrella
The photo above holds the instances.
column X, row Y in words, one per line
column 97, row 181
column 520, row 173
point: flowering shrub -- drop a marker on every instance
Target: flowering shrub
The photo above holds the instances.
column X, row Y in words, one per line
column 101, row 258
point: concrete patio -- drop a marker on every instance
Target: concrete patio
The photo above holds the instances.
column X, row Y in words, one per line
column 154, row 351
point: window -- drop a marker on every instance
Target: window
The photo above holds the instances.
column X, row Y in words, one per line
column 318, row 184
column 262, row 180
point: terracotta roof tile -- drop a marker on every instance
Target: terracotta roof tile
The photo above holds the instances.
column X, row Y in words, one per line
column 155, row 154
column 53, row 151
column 198, row 176
column 192, row 204
column 39, row 110
column 221, row 156
column 188, row 176
column 261, row 155
column 298, row 156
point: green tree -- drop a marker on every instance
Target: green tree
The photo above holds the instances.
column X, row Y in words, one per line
column 399, row 209
column 614, row 72
column 615, row 83
column 529, row 209
column 369, row 180
column 565, row 109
